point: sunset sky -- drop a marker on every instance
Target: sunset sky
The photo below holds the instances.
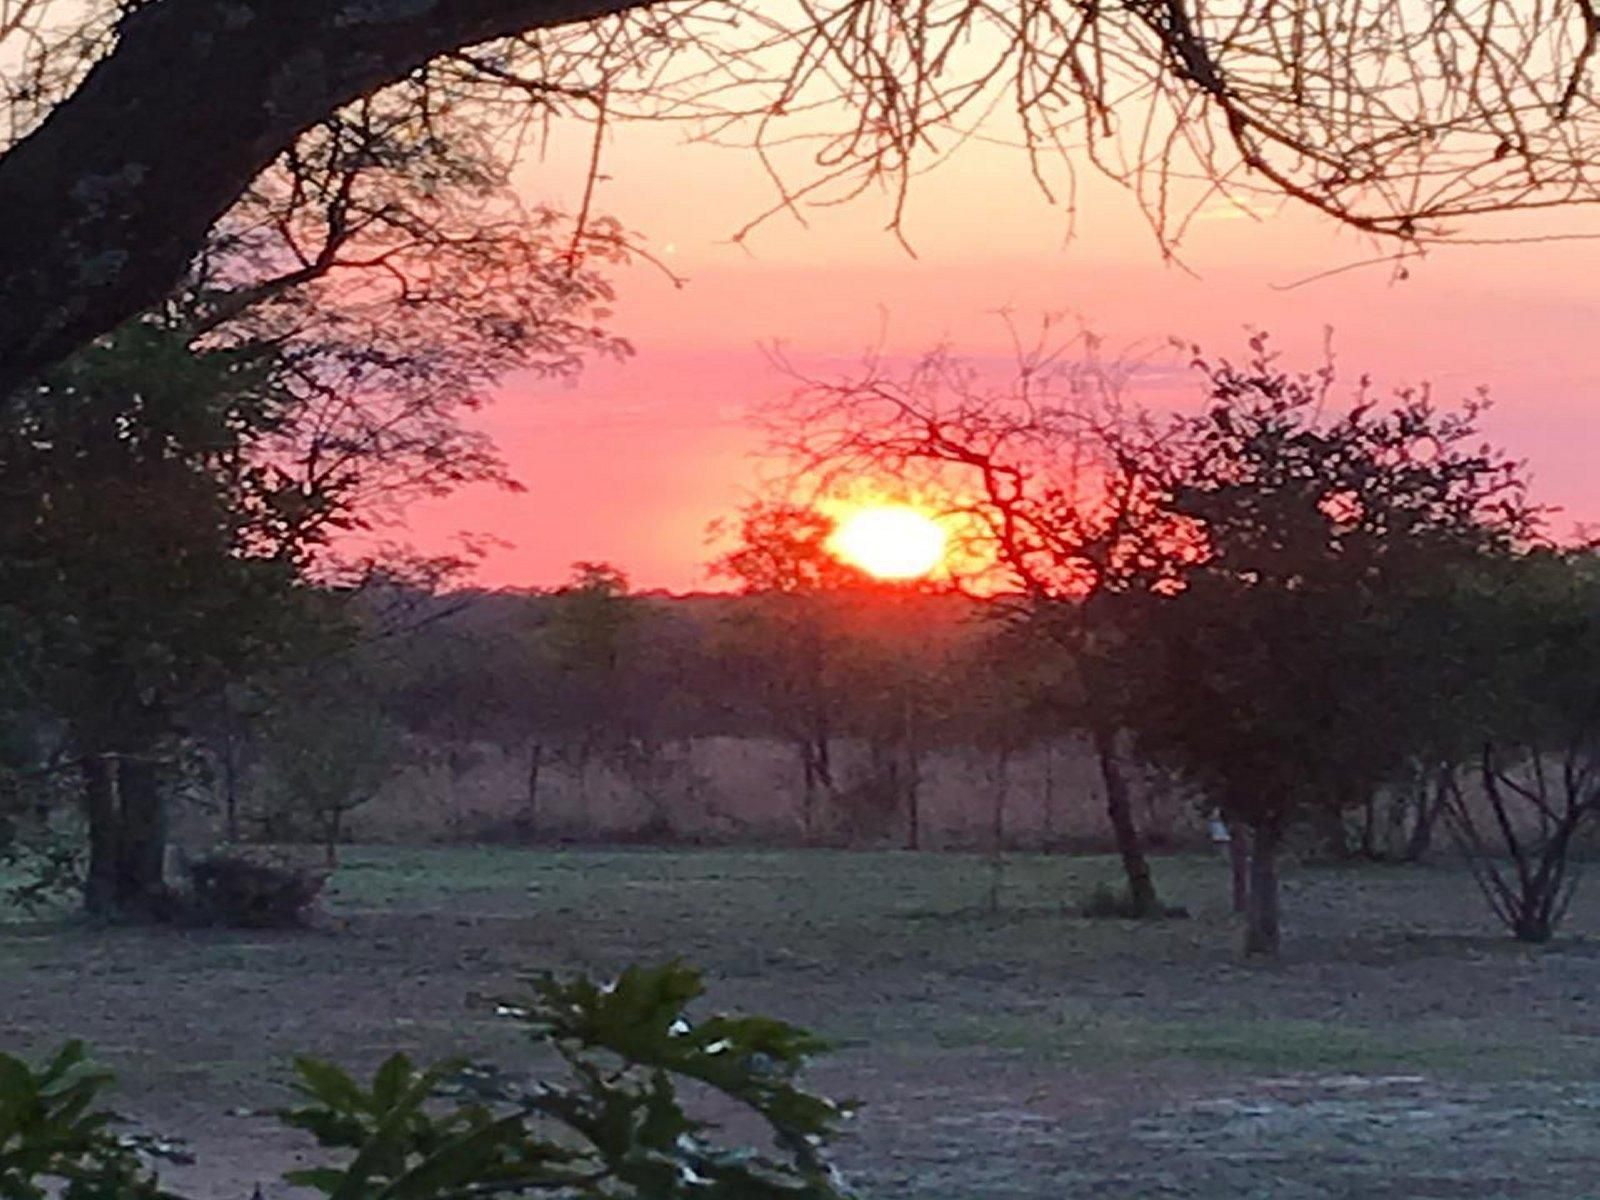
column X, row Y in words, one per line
column 629, row 463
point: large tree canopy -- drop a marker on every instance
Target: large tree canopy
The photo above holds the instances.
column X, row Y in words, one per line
column 138, row 123
column 108, row 200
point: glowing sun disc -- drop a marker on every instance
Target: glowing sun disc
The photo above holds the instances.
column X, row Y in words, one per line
column 890, row 542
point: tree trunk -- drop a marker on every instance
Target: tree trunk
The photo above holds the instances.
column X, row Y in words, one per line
column 999, row 783
column 1119, row 808
column 1048, row 818
column 126, row 879
column 1430, row 804
column 142, row 877
column 334, row 835
column 1261, row 934
column 808, row 793
column 913, row 815
column 230, row 785
column 913, row 780
column 1370, row 849
column 100, row 811
column 530, row 816
column 1239, row 868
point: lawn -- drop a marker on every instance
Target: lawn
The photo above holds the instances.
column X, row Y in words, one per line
column 1401, row 1049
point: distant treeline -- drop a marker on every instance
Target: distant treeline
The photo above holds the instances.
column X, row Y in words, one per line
column 866, row 714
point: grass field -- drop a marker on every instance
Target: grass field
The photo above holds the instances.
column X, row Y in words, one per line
column 1402, row 1048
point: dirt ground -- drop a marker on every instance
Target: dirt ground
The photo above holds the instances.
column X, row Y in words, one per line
column 1402, row 1048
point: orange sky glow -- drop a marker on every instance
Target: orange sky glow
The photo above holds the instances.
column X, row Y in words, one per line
column 630, row 462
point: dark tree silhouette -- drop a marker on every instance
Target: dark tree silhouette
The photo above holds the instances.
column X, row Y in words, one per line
column 1523, row 666
column 316, row 362
column 1277, row 674
column 792, row 639
column 137, row 124
column 1048, row 481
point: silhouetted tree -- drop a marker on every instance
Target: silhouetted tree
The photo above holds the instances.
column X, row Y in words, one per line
column 1004, row 698
column 1275, row 673
column 585, row 640
column 1050, row 485
column 1525, row 686
column 601, row 693
column 323, row 751
column 904, row 680
column 150, row 560
column 353, row 307
column 136, row 126
column 791, row 640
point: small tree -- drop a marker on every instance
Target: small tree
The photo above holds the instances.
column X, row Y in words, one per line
column 1279, row 673
column 321, row 755
column 596, row 692
column 1001, row 703
column 1050, row 481
column 583, row 643
column 906, row 638
column 1528, row 678
column 789, row 637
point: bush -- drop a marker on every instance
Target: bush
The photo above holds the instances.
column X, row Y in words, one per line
column 243, row 893
column 616, row 1128
column 43, row 866
column 1105, row 902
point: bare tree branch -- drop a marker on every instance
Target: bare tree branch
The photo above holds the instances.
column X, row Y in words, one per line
column 136, row 127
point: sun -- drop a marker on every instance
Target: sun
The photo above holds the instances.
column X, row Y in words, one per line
column 891, row 541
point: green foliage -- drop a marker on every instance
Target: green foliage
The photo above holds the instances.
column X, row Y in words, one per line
column 56, row 1141
column 46, row 867
column 405, row 1151
column 145, row 554
column 641, row 1020
column 617, row 1128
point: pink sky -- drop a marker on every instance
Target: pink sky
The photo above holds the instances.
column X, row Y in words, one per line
column 629, row 463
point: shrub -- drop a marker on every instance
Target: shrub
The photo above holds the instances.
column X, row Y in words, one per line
column 1106, row 902
column 616, row 1128
column 244, row 893
column 44, row 866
